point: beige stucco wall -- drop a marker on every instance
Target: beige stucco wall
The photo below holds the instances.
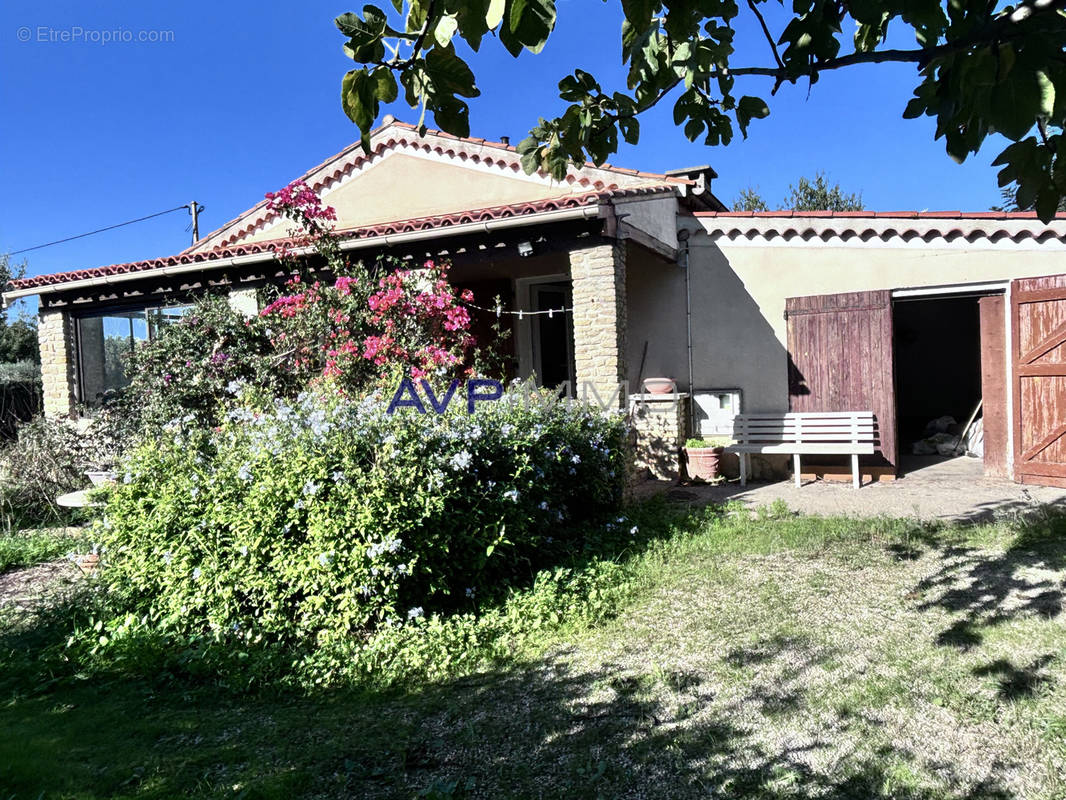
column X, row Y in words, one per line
column 655, row 296
column 403, row 186
column 739, row 291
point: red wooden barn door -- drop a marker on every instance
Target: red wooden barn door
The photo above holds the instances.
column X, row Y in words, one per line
column 1038, row 314
column 840, row 358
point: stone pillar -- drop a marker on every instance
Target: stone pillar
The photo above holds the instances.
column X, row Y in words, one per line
column 246, row 301
column 660, row 422
column 598, row 276
column 55, row 336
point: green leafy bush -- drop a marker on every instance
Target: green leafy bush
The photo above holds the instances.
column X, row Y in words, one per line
column 196, row 363
column 316, row 524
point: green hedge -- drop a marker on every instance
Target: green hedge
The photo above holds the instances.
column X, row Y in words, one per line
column 323, row 520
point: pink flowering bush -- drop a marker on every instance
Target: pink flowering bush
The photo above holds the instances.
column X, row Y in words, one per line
column 413, row 321
column 335, row 325
column 358, row 327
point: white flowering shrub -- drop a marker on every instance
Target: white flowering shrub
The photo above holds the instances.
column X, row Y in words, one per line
column 321, row 520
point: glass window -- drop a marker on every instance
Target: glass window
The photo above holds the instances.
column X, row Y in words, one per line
column 105, row 342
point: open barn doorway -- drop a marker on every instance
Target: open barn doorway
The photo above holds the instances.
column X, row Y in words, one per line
column 950, row 380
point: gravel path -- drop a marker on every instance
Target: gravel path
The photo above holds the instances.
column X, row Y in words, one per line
column 951, row 490
column 28, row 588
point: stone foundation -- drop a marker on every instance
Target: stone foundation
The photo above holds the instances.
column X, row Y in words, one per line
column 661, row 425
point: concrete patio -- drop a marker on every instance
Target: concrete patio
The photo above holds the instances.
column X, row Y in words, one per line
column 930, row 488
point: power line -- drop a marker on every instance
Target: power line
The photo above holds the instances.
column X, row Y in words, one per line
column 101, row 230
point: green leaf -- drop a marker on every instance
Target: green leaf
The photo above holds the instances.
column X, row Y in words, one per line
column 1015, row 104
column 449, row 73
column 749, row 108
column 1047, row 94
column 445, row 30
column 495, row 13
column 528, row 25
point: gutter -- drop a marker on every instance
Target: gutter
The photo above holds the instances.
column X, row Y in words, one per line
column 388, row 240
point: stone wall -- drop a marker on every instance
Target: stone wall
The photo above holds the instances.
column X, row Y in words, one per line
column 55, row 336
column 661, row 425
column 598, row 275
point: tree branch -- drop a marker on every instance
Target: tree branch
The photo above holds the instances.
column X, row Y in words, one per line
column 770, row 40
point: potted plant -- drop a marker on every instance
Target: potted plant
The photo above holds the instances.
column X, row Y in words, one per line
column 702, row 457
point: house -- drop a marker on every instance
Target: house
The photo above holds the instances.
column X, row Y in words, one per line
column 911, row 315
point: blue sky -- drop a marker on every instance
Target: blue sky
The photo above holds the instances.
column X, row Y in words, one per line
column 246, row 97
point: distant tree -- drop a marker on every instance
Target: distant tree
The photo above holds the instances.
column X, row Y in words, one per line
column 1010, row 201
column 805, row 195
column 18, row 337
column 750, row 200
column 818, row 195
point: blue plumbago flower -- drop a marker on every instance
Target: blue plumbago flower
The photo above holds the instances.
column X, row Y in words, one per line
column 233, row 387
column 634, row 530
column 244, row 549
column 470, row 592
column 576, row 458
column 402, row 569
column 339, row 477
column 391, row 546
column 512, row 495
column 505, row 430
column 311, row 488
column 415, row 613
column 196, row 574
column 168, row 557
column 194, row 492
column 323, row 559
column 127, row 478
column 549, row 539
column 236, row 626
column 461, row 460
column 543, row 505
column 245, row 473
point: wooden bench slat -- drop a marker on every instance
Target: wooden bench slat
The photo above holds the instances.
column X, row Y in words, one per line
column 811, row 415
column 804, row 448
column 806, row 437
column 811, row 428
column 851, row 433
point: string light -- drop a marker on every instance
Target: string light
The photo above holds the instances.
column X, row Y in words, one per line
column 521, row 313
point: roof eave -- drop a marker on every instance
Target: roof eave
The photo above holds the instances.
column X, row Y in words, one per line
column 353, row 244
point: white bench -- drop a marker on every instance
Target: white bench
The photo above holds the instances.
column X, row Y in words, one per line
column 851, row 433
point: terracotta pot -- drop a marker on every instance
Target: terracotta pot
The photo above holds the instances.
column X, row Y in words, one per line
column 659, row 385
column 701, row 463
column 89, row 562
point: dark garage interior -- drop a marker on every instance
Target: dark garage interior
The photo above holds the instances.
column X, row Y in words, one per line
column 937, row 344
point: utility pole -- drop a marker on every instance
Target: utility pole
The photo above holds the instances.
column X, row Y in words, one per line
column 195, row 209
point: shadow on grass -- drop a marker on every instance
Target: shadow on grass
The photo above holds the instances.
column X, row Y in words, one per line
column 541, row 729
column 534, row 729
column 986, row 589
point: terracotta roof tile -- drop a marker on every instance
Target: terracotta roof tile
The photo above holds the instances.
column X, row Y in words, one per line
column 926, row 225
column 396, row 133
column 441, row 222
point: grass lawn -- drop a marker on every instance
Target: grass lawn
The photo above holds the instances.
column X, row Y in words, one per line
column 756, row 658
